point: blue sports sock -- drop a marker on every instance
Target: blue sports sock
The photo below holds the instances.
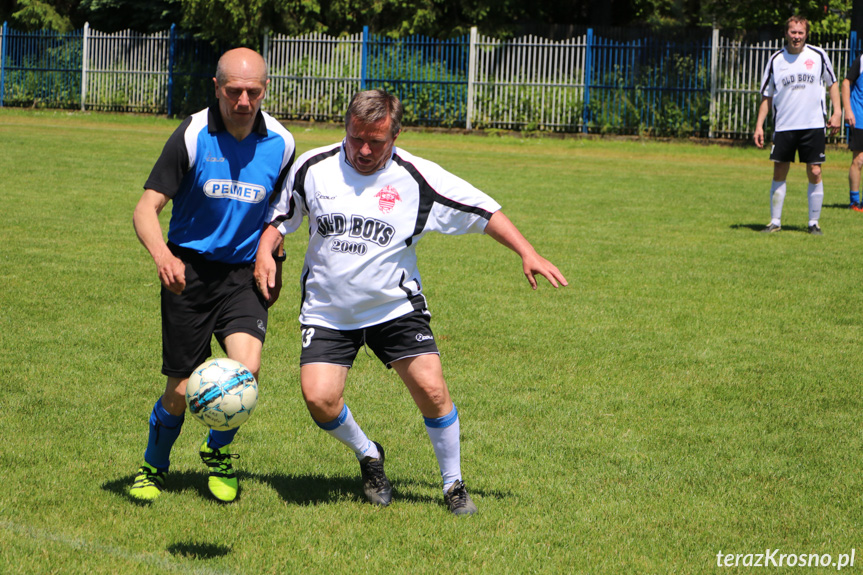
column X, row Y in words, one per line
column 219, row 439
column 164, row 430
column 855, row 196
column 444, row 434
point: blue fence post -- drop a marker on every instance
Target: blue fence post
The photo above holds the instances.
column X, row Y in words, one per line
column 364, row 64
column 5, row 41
column 588, row 60
column 171, row 39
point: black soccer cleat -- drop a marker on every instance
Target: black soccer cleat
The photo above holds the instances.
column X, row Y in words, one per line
column 458, row 501
column 376, row 486
column 815, row 230
column 771, row 228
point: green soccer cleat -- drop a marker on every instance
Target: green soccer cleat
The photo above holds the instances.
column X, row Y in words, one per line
column 223, row 481
column 148, row 484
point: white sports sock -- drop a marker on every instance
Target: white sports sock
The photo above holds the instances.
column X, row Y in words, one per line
column 777, row 198
column 347, row 430
column 816, row 199
column 444, row 434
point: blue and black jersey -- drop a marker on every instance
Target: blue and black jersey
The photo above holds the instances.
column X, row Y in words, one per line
column 856, row 78
column 221, row 188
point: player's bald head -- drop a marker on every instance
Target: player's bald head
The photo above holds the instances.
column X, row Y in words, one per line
column 241, row 62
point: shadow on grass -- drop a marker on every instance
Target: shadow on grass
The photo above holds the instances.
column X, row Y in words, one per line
column 176, row 482
column 309, row 489
column 314, row 490
column 296, row 489
column 198, row 550
column 759, row 227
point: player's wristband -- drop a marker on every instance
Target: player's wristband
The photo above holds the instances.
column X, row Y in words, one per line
column 280, row 258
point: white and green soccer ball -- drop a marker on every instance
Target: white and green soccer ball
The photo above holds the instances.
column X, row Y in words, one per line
column 222, row 393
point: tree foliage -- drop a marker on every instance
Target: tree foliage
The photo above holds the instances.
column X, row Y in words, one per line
column 825, row 16
column 114, row 15
column 235, row 22
column 244, row 22
column 37, row 14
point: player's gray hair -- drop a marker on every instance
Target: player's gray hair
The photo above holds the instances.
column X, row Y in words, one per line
column 371, row 106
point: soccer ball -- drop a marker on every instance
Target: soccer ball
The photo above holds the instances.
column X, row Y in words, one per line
column 221, row 394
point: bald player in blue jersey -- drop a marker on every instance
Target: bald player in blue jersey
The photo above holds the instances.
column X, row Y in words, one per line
column 219, row 168
column 852, row 103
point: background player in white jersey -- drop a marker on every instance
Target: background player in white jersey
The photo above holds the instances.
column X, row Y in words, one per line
column 852, row 103
column 368, row 204
column 220, row 168
column 793, row 85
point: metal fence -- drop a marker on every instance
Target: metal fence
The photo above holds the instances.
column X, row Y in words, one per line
column 313, row 76
column 39, row 67
column 528, row 83
column 430, row 76
column 125, row 71
column 705, row 85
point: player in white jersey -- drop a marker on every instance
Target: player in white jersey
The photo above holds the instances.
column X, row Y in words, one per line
column 793, row 86
column 368, row 203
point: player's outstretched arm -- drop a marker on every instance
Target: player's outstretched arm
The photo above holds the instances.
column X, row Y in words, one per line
column 504, row 231
column 171, row 269
column 267, row 274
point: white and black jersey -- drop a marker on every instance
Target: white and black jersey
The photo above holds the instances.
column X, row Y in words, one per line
column 360, row 268
column 796, row 82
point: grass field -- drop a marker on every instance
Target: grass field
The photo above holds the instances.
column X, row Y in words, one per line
column 695, row 390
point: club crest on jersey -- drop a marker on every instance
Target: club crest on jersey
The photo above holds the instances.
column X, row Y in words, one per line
column 231, row 190
column 387, row 199
column 809, row 63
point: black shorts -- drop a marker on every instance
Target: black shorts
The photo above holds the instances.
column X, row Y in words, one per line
column 855, row 140
column 809, row 144
column 407, row 336
column 219, row 299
